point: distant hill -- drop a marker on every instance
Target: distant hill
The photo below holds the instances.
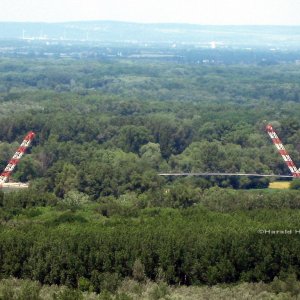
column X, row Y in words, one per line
column 123, row 32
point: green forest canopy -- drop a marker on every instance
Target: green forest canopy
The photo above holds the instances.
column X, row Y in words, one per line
column 96, row 204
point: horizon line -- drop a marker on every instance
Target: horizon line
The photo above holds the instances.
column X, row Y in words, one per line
column 150, row 23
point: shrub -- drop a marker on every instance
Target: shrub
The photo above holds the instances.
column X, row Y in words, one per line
column 295, row 184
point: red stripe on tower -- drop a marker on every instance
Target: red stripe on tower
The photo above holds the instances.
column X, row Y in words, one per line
column 282, row 151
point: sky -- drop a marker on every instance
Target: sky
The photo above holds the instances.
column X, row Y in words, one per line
column 214, row 12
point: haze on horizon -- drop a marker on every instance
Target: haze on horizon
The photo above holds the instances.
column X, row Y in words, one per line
column 208, row 12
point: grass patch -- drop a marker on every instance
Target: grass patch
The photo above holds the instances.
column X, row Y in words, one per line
column 280, row 185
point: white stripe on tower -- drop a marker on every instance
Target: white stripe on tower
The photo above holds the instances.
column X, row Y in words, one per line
column 285, row 156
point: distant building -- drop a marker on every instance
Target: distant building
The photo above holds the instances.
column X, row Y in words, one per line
column 213, row 45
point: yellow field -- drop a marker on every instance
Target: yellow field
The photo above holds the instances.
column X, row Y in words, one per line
column 279, row 185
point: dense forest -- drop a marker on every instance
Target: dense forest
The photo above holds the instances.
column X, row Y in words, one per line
column 97, row 213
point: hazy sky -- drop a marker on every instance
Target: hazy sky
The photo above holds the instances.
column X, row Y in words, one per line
column 281, row 12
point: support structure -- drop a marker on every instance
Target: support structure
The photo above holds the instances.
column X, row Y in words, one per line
column 282, row 151
column 295, row 173
column 4, row 177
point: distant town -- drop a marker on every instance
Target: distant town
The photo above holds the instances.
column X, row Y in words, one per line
column 183, row 43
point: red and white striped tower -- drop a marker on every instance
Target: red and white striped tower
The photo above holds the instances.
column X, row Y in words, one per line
column 284, row 154
column 16, row 158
